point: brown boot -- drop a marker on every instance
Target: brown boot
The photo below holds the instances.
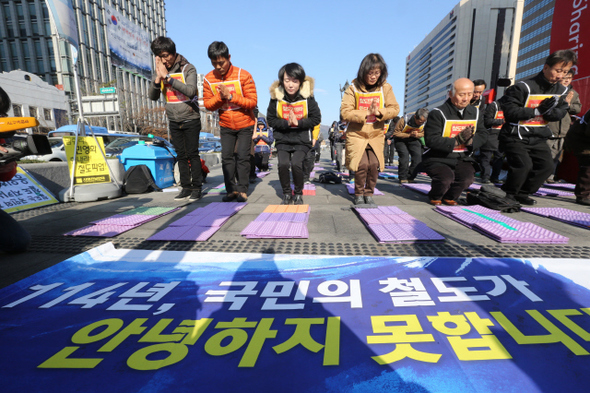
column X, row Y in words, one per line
column 230, row 197
column 242, row 197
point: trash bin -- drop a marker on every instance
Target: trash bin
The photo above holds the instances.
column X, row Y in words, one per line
column 158, row 159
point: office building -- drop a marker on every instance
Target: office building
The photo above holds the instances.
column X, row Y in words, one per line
column 535, row 37
column 28, row 42
column 478, row 39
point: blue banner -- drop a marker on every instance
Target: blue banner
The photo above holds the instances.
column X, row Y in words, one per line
column 153, row 321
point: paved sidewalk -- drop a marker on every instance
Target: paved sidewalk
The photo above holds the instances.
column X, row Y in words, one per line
column 334, row 229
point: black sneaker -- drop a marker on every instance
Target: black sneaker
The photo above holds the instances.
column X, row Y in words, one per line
column 525, row 200
column 185, row 193
column 583, row 201
column 196, row 195
column 298, row 200
column 253, row 179
column 287, row 199
column 359, row 200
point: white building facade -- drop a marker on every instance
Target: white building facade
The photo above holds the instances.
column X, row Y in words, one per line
column 477, row 40
column 33, row 97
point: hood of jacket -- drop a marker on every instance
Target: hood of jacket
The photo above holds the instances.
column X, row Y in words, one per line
column 178, row 63
column 263, row 121
column 305, row 90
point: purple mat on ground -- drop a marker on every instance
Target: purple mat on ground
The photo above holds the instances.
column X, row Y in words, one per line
column 261, row 174
column 390, row 167
column 100, row 230
column 391, row 224
column 276, row 229
column 404, row 232
column 286, row 217
column 385, row 175
column 420, row 187
column 278, row 225
column 565, row 186
column 568, row 216
column 550, row 192
column 201, row 223
column 524, row 232
column 350, row 188
column 498, row 227
column 125, row 219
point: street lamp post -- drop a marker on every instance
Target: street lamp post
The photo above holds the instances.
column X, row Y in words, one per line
column 343, row 88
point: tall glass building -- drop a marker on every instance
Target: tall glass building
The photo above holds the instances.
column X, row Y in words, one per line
column 535, row 37
column 476, row 40
column 29, row 42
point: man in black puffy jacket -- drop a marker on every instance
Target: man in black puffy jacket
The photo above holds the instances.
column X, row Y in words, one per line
column 528, row 107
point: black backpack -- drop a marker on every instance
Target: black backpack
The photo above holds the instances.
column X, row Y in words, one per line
column 493, row 198
column 330, row 177
column 139, row 180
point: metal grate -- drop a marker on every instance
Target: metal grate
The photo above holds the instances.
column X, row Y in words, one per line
column 75, row 245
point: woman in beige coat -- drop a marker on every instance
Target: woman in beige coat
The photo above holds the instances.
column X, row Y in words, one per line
column 366, row 105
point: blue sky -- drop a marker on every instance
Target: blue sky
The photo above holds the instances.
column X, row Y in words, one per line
column 329, row 38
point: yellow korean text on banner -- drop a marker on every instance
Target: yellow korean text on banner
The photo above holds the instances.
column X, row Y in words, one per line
column 172, row 95
column 533, row 101
column 453, row 127
column 299, row 108
column 91, row 167
column 364, row 101
column 235, row 89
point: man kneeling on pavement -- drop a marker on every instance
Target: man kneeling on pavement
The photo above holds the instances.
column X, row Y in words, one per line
column 453, row 131
column 528, row 108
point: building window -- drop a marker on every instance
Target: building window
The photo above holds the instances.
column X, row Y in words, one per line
column 17, row 110
column 33, row 111
column 47, row 114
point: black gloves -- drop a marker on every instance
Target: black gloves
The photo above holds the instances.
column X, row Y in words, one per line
column 546, row 105
column 464, row 136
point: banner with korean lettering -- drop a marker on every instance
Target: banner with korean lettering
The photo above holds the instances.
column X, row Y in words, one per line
column 91, row 167
column 24, row 192
column 569, row 31
column 64, row 20
column 218, row 322
column 129, row 44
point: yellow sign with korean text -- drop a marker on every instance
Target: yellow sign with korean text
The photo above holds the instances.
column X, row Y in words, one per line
column 299, row 108
column 235, row 89
column 365, row 100
column 453, row 127
column 91, row 167
column 172, row 95
column 533, row 101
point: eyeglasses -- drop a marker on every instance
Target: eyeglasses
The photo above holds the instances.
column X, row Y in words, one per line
column 374, row 73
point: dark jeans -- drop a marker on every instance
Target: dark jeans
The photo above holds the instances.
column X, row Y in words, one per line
column 13, row 237
column 406, row 150
column 261, row 159
column 236, row 171
column 185, row 138
column 491, row 164
column 308, row 163
column 388, row 152
column 293, row 159
column 448, row 183
column 583, row 183
column 529, row 165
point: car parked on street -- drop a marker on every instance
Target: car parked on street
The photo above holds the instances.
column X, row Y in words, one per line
column 116, row 147
column 58, row 152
